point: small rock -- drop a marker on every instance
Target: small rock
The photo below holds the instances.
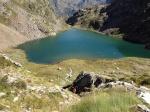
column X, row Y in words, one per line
column 59, row 68
column 12, row 92
column 117, row 68
column 51, row 80
column 2, row 94
column 17, row 64
column 142, row 108
column 29, row 80
column 16, row 99
column 38, row 89
column 53, row 34
column 145, row 96
column 142, row 88
column 55, row 111
column 61, row 103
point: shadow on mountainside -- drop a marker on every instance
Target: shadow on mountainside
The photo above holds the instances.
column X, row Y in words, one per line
column 128, row 17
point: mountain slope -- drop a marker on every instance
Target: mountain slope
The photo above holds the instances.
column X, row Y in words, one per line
column 68, row 7
column 32, row 18
column 131, row 18
column 9, row 37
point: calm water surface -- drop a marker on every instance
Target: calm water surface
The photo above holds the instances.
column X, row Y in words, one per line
column 79, row 44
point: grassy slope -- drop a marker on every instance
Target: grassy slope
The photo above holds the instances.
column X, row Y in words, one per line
column 28, row 99
column 136, row 69
column 113, row 100
column 106, row 101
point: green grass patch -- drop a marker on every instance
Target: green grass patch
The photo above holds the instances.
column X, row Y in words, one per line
column 4, row 63
column 143, row 79
column 111, row 101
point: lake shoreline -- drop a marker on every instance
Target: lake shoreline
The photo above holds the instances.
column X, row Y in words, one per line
column 80, row 44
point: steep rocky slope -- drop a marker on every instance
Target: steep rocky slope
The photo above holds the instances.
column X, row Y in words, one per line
column 10, row 37
column 131, row 17
column 68, row 7
column 127, row 17
column 89, row 17
column 32, row 18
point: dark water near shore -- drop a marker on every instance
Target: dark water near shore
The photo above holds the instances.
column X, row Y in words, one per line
column 79, row 44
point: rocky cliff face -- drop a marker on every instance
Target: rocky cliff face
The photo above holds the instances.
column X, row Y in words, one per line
column 89, row 17
column 128, row 17
column 132, row 17
column 68, row 7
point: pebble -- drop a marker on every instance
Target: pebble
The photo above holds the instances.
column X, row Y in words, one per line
column 59, row 68
column 16, row 99
column 2, row 94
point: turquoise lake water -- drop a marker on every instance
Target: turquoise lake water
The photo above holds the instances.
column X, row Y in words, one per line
column 79, row 44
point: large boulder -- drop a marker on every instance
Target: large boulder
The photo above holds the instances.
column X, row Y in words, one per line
column 86, row 81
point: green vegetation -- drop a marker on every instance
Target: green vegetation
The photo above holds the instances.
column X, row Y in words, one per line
column 142, row 80
column 5, row 63
column 124, row 69
column 28, row 99
column 107, row 101
column 136, row 69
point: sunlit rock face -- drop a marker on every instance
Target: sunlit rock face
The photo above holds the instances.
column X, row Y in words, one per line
column 68, row 7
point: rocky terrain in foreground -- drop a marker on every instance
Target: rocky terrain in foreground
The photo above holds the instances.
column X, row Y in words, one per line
column 86, row 82
column 128, row 18
column 22, row 90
